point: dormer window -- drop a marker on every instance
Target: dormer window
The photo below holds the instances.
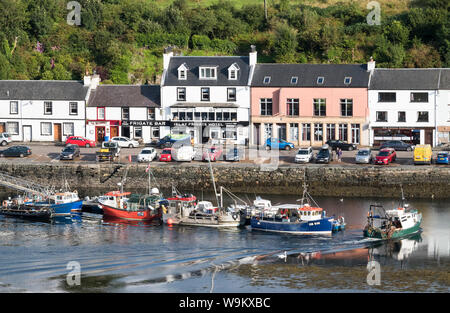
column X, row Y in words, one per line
column 294, row 80
column 266, row 80
column 320, row 80
column 208, row 72
column 233, row 71
column 347, row 80
column 182, row 71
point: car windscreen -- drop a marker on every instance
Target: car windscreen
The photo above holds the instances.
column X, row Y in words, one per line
column 442, row 155
column 364, row 152
column 166, row 151
column 69, row 149
column 6, row 135
column 146, row 151
column 324, row 153
column 303, row 152
column 383, row 153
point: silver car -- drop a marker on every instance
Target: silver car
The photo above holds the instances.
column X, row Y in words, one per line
column 364, row 156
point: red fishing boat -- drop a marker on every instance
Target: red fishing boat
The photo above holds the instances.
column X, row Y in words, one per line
column 129, row 206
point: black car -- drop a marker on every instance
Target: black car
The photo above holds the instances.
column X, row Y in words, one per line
column 324, row 155
column 397, row 145
column 70, row 152
column 341, row 145
column 16, row 151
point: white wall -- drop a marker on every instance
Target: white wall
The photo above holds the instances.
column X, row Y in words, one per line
column 443, row 114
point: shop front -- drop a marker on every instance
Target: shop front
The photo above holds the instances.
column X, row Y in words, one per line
column 414, row 136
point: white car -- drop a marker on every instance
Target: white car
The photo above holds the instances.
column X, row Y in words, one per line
column 125, row 142
column 183, row 153
column 5, row 139
column 304, row 155
column 147, row 155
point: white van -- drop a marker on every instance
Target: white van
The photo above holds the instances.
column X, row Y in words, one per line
column 183, row 153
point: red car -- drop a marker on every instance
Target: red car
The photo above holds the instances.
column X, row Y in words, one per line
column 386, row 156
column 212, row 153
column 80, row 141
column 166, row 155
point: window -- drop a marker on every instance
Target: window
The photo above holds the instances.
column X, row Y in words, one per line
column 306, row 132
column 318, row 132
column 294, row 80
column 205, row 94
column 347, row 80
column 48, row 108
column 401, row 116
column 73, row 108
column 346, row 107
column 138, row 132
column 419, row 97
column 293, row 132
column 125, row 113
column 232, row 74
column 320, row 80
column 331, row 132
column 208, row 73
column 14, row 107
column 266, row 106
column 68, row 129
column 266, row 80
column 267, row 131
column 343, row 132
column 355, row 133
column 320, row 107
column 46, row 129
column 182, row 74
column 181, row 94
column 293, row 107
column 100, row 113
column 231, row 94
column 150, row 113
column 381, row 116
column 234, row 116
column 12, row 128
column 387, row 97
column 422, row 116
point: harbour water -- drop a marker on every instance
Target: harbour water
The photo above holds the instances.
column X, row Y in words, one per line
column 117, row 256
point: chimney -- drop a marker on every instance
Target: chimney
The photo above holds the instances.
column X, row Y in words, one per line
column 95, row 81
column 370, row 65
column 253, row 55
column 168, row 53
column 87, row 80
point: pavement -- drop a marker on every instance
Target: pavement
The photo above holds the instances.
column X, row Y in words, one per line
column 44, row 153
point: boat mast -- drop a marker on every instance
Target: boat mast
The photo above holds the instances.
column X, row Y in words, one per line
column 212, row 177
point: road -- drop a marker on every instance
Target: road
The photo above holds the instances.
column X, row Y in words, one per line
column 49, row 153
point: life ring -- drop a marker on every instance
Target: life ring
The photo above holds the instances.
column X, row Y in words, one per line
column 234, row 216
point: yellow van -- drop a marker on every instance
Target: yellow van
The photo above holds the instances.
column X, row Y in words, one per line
column 423, row 154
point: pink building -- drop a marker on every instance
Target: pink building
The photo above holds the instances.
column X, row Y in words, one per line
column 309, row 104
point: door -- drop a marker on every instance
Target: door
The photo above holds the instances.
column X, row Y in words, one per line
column 126, row 131
column 27, row 133
column 57, row 132
column 99, row 134
column 2, row 127
column 114, row 131
column 429, row 137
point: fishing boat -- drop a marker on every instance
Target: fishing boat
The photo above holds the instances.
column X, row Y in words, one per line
column 306, row 218
column 390, row 224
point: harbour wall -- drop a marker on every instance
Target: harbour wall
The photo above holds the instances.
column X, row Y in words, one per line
column 336, row 181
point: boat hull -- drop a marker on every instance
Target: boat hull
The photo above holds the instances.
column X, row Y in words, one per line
column 318, row 227
column 65, row 209
column 215, row 222
column 377, row 233
column 141, row 215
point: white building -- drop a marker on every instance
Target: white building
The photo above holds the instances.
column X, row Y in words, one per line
column 131, row 111
column 207, row 97
column 443, row 107
column 403, row 105
column 43, row 110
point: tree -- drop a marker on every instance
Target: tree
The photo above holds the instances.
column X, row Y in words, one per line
column 285, row 44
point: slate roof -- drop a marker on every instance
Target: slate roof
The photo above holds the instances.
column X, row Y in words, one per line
column 334, row 75
column 405, row 79
column 125, row 96
column 194, row 62
column 42, row 90
column 445, row 79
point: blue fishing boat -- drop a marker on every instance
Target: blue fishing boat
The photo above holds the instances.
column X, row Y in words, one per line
column 306, row 218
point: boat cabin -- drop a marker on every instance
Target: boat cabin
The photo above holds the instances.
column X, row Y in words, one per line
column 260, row 203
column 114, row 198
column 206, row 207
column 308, row 213
column 65, row 197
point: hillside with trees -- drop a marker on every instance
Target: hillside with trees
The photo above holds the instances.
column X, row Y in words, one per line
column 123, row 40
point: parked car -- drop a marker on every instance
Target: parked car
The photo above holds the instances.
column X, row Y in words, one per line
column 234, row 155
column 125, row 142
column 166, row 155
column 80, row 141
column 324, row 155
column 443, row 146
column 5, row 139
column 304, row 155
column 364, row 156
column 183, row 153
column 70, row 152
column 146, row 155
column 16, row 151
column 110, row 151
column 386, row 156
column 442, row 157
column 341, row 145
column 423, row 154
column 398, row 145
column 280, row 144
column 213, row 154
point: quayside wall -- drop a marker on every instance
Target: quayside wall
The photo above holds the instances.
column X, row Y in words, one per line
column 337, row 181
